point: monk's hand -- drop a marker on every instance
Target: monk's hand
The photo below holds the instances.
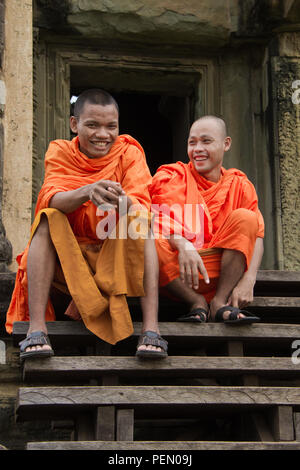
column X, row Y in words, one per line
column 106, row 192
column 242, row 294
column 190, row 264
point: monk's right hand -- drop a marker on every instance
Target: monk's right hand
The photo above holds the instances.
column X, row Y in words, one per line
column 190, row 264
column 106, row 192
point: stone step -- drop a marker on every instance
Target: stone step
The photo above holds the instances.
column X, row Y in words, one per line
column 74, row 332
column 277, row 282
column 268, row 307
column 160, row 446
column 59, row 369
column 149, row 401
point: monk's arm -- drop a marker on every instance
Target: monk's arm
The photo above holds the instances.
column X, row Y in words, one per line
column 101, row 192
column 242, row 294
column 190, row 262
column 69, row 201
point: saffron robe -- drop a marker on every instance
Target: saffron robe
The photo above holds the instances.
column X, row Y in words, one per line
column 230, row 218
column 97, row 274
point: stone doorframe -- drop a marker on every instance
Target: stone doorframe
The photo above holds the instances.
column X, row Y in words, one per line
column 52, row 83
column 51, row 102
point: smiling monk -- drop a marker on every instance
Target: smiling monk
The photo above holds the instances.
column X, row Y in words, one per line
column 213, row 267
column 95, row 173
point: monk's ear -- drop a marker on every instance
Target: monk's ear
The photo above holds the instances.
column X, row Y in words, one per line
column 227, row 144
column 73, row 124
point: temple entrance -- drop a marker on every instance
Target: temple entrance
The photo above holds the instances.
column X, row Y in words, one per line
column 160, row 123
column 157, row 118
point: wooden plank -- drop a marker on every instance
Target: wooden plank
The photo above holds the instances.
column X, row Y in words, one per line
column 281, row 418
column 163, row 445
column 45, row 400
column 105, row 423
column 125, row 425
column 276, row 302
column 57, row 368
column 274, row 276
column 60, row 331
column 277, row 283
column 297, row 426
column 76, row 332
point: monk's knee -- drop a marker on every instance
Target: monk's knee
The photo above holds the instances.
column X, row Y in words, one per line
column 42, row 230
column 245, row 221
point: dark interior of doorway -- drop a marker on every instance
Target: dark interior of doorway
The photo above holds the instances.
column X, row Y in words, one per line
column 160, row 124
column 141, row 118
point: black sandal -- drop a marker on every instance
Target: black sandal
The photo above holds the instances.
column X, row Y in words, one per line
column 233, row 316
column 36, row 338
column 154, row 339
column 192, row 316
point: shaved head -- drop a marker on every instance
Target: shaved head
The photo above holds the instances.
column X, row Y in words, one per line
column 207, row 142
column 219, row 121
column 93, row 96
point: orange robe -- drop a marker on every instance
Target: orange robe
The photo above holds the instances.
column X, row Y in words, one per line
column 97, row 274
column 230, row 218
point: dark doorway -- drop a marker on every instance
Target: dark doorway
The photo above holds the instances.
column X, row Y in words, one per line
column 141, row 118
column 159, row 122
column 156, row 106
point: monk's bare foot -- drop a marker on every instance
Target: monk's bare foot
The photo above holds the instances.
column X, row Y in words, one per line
column 149, row 347
column 44, row 347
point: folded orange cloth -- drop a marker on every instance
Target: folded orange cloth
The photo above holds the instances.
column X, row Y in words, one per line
column 231, row 218
column 99, row 295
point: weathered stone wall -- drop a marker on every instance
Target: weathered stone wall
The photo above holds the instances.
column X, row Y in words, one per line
column 236, row 37
column 17, row 163
column 5, row 246
column 187, row 20
column 250, row 51
column 230, row 36
column 286, row 103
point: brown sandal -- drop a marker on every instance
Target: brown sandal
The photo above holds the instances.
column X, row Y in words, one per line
column 233, row 316
column 154, row 339
column 193, row 314
column 36, row 338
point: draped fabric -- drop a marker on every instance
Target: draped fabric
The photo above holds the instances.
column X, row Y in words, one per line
column 231, row 218
column 98, row 279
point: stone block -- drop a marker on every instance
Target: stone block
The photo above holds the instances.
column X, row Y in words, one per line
column 195, row 22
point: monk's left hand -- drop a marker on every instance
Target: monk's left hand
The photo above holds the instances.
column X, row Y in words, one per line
column 242, row 294
column 106, row 192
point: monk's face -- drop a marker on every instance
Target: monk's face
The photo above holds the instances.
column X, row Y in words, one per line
column 97, row 128
column 207, row 143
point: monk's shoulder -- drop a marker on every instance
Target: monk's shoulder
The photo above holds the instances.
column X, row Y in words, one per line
column 237, row 175
column 59, row 144
column 171, row 170
column 242, row 183
column 133, row 152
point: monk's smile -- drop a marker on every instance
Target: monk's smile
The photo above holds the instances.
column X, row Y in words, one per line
column 200, row 158
column 100, row 144
column 206, row 147
column 97, row 129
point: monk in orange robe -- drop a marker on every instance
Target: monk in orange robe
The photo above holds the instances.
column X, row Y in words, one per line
column 91, row 185
column 208, row 255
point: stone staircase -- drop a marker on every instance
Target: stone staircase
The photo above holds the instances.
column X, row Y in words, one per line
column 221, row 388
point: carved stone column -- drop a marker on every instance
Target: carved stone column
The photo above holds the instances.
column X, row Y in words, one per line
column 5, row 246
column 6, row 276
column 286, row 110
column 18, row 128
